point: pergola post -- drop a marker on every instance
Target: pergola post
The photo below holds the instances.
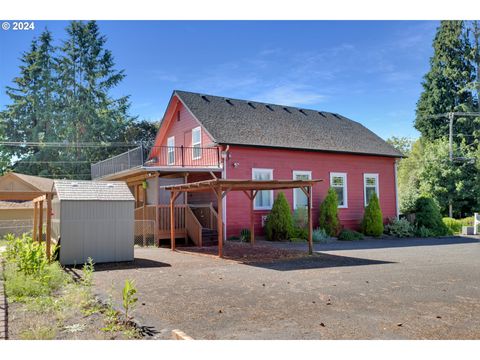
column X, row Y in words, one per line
column 49, row 224
column 35, row 215
column 310, row 227
column 144, row 210
column 251, row 196
column 172, row 220
column 218, row 191
column 40, row 222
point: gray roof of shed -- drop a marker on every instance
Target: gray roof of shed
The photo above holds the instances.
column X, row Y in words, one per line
column 92, row 190
column 243, row 122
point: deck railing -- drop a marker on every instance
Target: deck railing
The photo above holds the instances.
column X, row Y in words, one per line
column 124, row 161
column 184, row 157
column 159, row 156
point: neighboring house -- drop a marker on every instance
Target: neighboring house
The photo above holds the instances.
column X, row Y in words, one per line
column 203, row 136
column 16, row 216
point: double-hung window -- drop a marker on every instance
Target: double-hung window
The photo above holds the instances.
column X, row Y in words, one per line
column 370, row 184
column 196, row 143
column 299, row 198
column 338, row 182
column 264, row 198
column 171, row 150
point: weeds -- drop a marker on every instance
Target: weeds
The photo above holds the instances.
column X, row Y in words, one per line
column 88, row 269
column 129, row 298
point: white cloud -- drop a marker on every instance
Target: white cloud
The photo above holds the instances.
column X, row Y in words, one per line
column 292, row 94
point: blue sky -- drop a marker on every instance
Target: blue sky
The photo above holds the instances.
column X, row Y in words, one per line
column 369, row 71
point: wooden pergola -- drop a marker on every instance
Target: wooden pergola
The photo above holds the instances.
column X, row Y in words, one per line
column 250, row 188
column 38, row 198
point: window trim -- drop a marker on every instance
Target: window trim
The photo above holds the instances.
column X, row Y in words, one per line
column 377, row 186
column 255, row 207
column 199, row 129
column 294, row 174
column 345, row 187
column 171, row 149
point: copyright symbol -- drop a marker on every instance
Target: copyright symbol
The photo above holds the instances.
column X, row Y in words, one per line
column 5, row 25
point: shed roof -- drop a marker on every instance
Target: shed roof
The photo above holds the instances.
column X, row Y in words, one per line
column 92, row 190
column 243, row 122
column 40, row 183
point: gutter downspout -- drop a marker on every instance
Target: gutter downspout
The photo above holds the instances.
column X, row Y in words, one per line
column 224, row 201
column 396, row 190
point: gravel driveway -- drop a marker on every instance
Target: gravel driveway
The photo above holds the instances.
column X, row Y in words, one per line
column 371, row 289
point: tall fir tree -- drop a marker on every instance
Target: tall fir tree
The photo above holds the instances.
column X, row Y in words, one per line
column 31, row 115
column 445, row 86
column 86, row 75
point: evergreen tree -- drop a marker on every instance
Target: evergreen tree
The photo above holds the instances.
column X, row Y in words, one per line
column 372, row 223
column 30, row 116
column 87, row 74
column 328, row 217
column 279, row 225
column 445, row 86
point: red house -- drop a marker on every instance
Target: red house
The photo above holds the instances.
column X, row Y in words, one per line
column 202, row 136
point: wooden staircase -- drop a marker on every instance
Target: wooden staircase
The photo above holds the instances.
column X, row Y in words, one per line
column 209, row 237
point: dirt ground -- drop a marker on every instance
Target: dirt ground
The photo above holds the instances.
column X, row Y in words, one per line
column 397, row 289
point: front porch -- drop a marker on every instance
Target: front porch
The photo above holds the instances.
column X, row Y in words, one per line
column 146, row 170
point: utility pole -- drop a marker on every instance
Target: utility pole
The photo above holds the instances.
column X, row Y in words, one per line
column 451, row 117
column 450, row 151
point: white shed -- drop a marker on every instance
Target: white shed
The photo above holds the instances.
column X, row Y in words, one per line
column 93, row 219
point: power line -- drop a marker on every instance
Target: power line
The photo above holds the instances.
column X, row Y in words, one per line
column 68, row 144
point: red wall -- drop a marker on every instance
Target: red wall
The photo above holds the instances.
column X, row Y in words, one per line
column 284, row 162
column 181, row 128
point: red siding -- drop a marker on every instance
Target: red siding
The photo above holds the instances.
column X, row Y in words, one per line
column 179, row 123
column 182, row 129
column 284, row 162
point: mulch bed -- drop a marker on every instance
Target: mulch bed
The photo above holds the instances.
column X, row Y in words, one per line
column 247, row 253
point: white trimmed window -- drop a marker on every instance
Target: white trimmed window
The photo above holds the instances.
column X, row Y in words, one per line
column 299, row 197
column 264, row 198
column 370, row 187
column 338, row 182
column 196, row 143
column 171, row 150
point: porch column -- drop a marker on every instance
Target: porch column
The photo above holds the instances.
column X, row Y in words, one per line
column 172, row 220
column 40, row 222
column 218, row 191
column 144, row 209
column 35, row 215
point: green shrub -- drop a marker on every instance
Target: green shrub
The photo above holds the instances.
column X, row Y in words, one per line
column 299, row 233
column 372, row 223
column 350, row 235
column 427, row 215
column 245, row 235
column 424, row 232
column 279, row 224
column 467, row 221
column 328, row 219
column 319, row 235
column 400, row 228
column 454, row 226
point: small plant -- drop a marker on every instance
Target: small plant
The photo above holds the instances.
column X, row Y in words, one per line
column 299, row 233
column 88, row 269
column 350, row 235
column 400, row 228
column 328, row 219
column 129, row 297
column 424, row 232
column 427, row 215
column 245, row 235
column 279, row 225
column 319, row 235
column 300, row 217
column 372, row 223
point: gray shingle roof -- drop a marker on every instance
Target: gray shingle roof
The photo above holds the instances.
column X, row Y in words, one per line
column 244, row 122
column 92, row 190
column 41, row 183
